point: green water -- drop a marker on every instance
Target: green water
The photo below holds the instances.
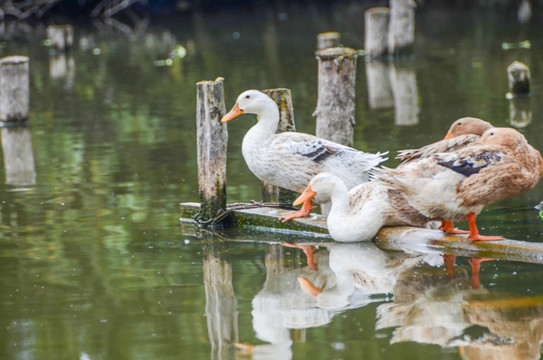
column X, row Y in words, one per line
column 94, row 263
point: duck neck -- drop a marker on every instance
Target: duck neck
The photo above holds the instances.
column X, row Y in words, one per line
column 340, row 201
column 268, row 118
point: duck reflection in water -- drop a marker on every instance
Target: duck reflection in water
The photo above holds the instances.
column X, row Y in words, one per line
column 347, row 276
column 430, row 307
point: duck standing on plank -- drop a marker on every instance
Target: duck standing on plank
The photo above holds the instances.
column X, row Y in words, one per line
column 290, row 159
column 462, row 133
column 457, row 185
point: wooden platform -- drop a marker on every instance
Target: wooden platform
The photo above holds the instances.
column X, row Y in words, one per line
column 263, row 224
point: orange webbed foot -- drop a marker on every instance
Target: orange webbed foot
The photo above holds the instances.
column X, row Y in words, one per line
column 474, row 232
column 448, row 227
column 485, row 238
column 296, row 214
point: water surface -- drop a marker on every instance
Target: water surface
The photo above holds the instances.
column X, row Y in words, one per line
column 95, row 263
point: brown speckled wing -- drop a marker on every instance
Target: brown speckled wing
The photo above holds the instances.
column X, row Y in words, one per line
column 443, row 146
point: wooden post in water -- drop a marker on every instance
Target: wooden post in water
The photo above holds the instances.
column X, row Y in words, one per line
column 283, row 99
column 401, row 34
column 328, row 39
column 14, row 89
column 18, row 156
column 212, row 139
column 518, row 75
column 377, row 22
column 335, row 111
column 61, row 36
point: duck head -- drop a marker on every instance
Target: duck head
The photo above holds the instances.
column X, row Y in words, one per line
column 322, row 184
column 250, row 102
column 468, row 125
column 508, row 137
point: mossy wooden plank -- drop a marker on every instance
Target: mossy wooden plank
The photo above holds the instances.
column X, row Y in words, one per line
column 400, row 238
column 411, row 239
column 263, row 217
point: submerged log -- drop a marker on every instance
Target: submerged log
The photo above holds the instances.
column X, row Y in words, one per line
column 212, row 140
column 283, row 99
column 14, row 89
column 400, row 238
column 376, row 32
column 335, row 110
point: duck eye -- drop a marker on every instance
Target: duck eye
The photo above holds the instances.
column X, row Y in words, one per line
column 459, row 123
column 492, row 133
column 247, row 96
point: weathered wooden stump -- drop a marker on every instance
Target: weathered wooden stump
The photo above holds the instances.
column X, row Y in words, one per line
column 518, row 75
column 376, row 32
column 14, row 89
column 328, row 39
column 18, row 156
column 212, row 139
column 61, row 36
column 401, row 34
column 380, row 94
column 335, row 111
column 283, row 99
column 406, row 100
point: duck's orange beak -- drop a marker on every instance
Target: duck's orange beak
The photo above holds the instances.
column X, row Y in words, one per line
column 448, row 136
column 232, row 114
column 308, row 287
column 306, row 195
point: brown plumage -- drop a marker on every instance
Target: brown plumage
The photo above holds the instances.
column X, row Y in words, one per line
column 463, row 132
column 459, row 184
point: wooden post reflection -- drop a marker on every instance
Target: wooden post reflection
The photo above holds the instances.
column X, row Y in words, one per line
column 221, row 303
column 380, row 94
column 18, row 156
column 520, row 114
column 406, row 100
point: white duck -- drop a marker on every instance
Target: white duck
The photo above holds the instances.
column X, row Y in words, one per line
column 358, row 214
column 290, row 159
